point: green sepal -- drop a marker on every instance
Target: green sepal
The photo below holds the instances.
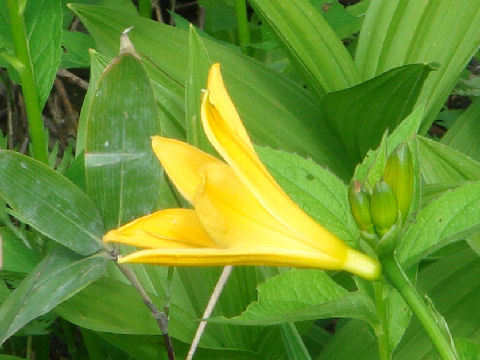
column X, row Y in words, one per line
column 383, row 207
column 388, row 242
column 399, row 175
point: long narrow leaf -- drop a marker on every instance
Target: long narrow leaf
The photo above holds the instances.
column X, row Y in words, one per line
column 310, row 42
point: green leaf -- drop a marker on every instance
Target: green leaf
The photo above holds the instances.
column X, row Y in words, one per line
column 399, row 32
column 360, row 115
column 98, row 62
column 465, row 132
column 310, row 42
column 122, row 173
column 198, row 65
column 317, row 190
column 152, row 348
column 467, row 350
column 50, row 203
column 8, row 357
column 75, row 53
column 442, row 164
column 450, row 217
column 273, row 107
column 43, row 20
column 58, row 277
column 15, row 256
column 299, row 295
column 342, row 21
column 294, row 345
column 454, row 286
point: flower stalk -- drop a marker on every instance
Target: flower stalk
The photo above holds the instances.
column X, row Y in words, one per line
column 394, row 272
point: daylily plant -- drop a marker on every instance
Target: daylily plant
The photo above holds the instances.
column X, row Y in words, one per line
column 240, row 215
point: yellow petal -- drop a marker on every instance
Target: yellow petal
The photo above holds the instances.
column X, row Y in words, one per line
column 182, row 163
column 240, row 256
column 238, row 152
column 221, row 100
column 170, row 228
column 233, row 218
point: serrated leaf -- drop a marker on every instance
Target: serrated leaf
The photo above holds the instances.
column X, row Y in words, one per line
column 50, row 203
column 361, row 114
column 58, row 277
column 310, row 42
column 450, row 217
column 372, row 167
column 467, row 349
column 317, row 190
column 299, row 295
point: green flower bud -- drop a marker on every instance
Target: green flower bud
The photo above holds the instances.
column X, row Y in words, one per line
column 383, row 207
column 359, row 201
column 399, row 175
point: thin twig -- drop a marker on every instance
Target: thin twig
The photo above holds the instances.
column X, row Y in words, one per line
column 74, row 79
column 158, row 315
column 222, row 280
column 72, row 115
column 158, row 11
column 174, row 6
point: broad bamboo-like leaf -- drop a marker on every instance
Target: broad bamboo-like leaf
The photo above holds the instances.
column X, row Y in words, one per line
column 122, row 174
column 454, row 286
column 361, row 114
column 294, row 346
column 299, row 295
column 442, row 164
column 97, row 64
column 310, row 42
column 273, row 107
column 15, row 256
column 400, row 32
column 465, row 132
column 198, row 66
column 152, row 348
column 57, row 278
column 50, row 203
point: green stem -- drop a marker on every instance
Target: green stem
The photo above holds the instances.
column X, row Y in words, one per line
column 30, row 96
column 242, row 20
column 401, row 282
column 381, row 332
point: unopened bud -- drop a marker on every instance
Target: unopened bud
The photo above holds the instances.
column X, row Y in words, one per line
column 399, row 175
column 383, row 207
column 359, row 201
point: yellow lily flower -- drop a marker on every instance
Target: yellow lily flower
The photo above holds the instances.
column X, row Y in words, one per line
column 241, row 216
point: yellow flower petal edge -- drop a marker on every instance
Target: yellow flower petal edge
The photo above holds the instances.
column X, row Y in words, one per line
column 239, row 154
column 170, row 228
column 247, row 256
